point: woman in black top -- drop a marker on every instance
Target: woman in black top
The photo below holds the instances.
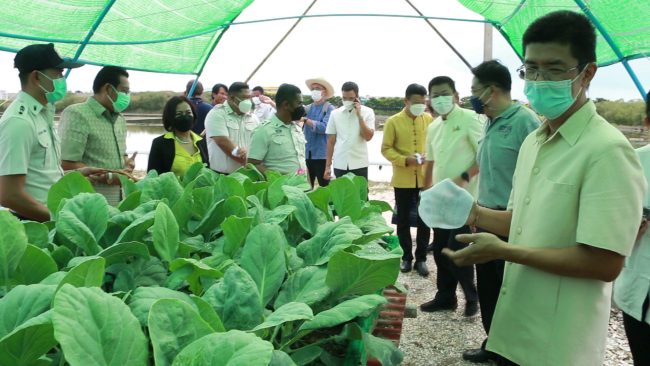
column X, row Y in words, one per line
column 178, row 149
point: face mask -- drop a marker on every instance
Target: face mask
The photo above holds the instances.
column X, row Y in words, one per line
column 348, row 104
column 183, row 123
column 316, row 95
column 60, row 88
column 443, row 104
column 551, row 98
column 477, row 104
column 245, row 106
column 256, row 101
column 298, row 113
column 121, row 102
column 417, row 109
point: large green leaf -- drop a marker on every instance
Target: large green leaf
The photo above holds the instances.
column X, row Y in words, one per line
column 34, row 266
column 262, row 258
column 228, row 187
column 121, row 252
column 131, row 202
column 68, row 186
column 91, row 209
column 29, row 341
column 95, row 328
column 165, row 233
column 330, row 238
column 235, row 229
column 23, row 303
column 287, row 313
column 199, row 270
column 13, row 243
column 224, row 349
column 362, row 187
column 306, row 355
column 278, row 214
column 281, row 359
column 141, row 272
column 137, row 229
column 373, row 225
column 173, row 324
column 320, row 197
column 88, row 273
column 345, row 196
column 192, row 173
column 352, row 274
column 72, row 229
column 385, row 351
column 62, row 255
column 306, row 212
column 307, row 285
column 275, row 194
column 236, row 300
column 182, row 209
column 143, row 298
column 213, row 218
column 344, row 312
column 208, row 314
column 165, row 186
column 37, row 233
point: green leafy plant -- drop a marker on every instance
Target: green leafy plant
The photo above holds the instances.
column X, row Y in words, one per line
column 203, row 270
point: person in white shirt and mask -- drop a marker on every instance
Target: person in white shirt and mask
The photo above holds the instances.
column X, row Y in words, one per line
column 349, row 129
column 264, row 107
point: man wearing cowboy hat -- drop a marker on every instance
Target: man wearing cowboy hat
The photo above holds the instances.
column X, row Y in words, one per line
column 315, row 124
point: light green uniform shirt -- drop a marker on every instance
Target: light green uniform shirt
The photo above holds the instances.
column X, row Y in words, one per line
column 582, row 184
column 223, row 121
column 632, row 287
column 452, row 145
column 94, row 136
column 280, row 146
column 30, row 145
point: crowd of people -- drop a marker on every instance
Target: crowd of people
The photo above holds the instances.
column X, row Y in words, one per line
column 559, row 192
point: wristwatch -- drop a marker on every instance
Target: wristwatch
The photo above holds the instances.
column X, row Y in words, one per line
column 465, row 176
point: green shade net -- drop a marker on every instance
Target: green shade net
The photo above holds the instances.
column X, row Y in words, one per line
column 153, row 35
column 625, row 21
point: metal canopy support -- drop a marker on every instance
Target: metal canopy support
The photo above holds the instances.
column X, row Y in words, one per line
column 441, row 36
column 614, row 47
column 91, row 32
column 280, row 41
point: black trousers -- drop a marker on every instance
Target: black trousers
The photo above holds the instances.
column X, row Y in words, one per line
column 638, row 335
column 404, row 200
column 361, row 172
column 449, row 274
column 316, row 170
column 489, row 277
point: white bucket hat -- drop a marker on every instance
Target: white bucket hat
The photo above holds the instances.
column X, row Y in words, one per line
column 329, row 90
column 445, row 205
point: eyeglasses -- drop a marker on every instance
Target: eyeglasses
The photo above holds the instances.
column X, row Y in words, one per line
column 552, row 74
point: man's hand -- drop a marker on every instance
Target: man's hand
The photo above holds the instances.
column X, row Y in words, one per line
column 357, row 108
column 95, row 175
column 265, row 99
column 242, row 153
column 308, row 122
column 484, row 247
column 413, row 160
column 328, row 173
column 129, row 164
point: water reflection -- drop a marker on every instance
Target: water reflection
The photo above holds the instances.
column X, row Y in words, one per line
column 139, row 139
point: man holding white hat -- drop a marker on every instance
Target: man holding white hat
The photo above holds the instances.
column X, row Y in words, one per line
column 315, row 125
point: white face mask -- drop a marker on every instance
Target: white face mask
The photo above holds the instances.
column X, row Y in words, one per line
column 417, row 109
column 443, row 104
column 348, row 104
column 316, row 95
column 256, row 100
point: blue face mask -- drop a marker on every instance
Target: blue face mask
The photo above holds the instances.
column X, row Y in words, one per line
column 477, row 104
column 551, row 98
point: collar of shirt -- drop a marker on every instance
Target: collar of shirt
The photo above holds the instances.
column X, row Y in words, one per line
column 276, row 122
column 509, row 112
column 33, row 105
column 572, row 128
column 455, row 112
column 231, row 111
column 195, row 138
column 405, row 115
column 100, row 110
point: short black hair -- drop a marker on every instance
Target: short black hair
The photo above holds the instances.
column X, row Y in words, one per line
column 236, row 87
column 350, row 86
column 286, row 93
column 216, row 87
column 109, row 75
column 441, row 80
column 259, row 89
column 198, row 90
column 568, row 28
column 493, row 73
column 415, row 89
column 169, row 112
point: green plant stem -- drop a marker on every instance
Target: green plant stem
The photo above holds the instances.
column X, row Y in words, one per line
column 275, row 333
column 324, row 340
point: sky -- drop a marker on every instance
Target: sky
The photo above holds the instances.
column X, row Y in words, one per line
column 383, row 55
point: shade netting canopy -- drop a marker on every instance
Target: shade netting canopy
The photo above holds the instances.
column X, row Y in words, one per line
column 178, row 36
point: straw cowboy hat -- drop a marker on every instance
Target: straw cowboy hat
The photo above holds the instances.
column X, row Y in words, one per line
column 329, row 90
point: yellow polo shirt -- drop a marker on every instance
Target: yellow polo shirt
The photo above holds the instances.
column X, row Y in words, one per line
column 403, row 137
column 452, row 145
column 583, row 184
column 182, row 159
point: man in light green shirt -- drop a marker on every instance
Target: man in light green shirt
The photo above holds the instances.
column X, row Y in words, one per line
column 573, row 213
column 278, row 144
column 93, row 133
column 30, row 161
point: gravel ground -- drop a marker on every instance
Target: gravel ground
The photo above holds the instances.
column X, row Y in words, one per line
column 440, row 338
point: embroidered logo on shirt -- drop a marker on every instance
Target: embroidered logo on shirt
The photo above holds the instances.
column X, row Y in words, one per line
column 505, row 129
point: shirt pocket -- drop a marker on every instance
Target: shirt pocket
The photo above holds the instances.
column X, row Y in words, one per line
column 232, row 125
column 44, row 148
column 250, row 126
column 280, row 140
